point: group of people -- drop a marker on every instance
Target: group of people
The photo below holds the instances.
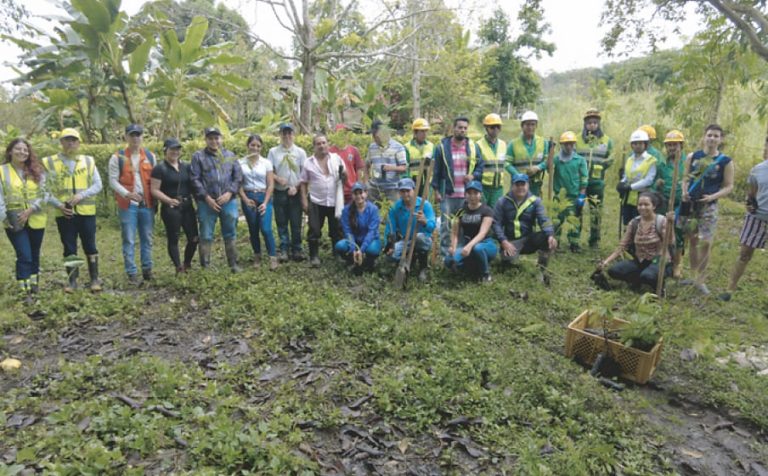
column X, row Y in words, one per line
column 465, row 178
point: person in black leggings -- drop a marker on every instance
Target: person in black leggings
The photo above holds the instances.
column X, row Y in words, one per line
column 171, row 186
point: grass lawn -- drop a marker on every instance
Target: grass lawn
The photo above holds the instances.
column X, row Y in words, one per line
column 304, row 371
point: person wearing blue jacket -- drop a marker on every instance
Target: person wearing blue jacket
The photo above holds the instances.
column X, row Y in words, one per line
column 360, row 224
column 421, row 227
column 458, row 161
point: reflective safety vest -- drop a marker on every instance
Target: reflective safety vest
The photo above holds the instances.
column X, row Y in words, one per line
column 127, row 176
column 493, row 168
column 597, row 154
column 417, row 152
column 638, row 174
column 521, row 157
column 19, row 194
column 472, row 159
column 520, row 210
column 65, row 184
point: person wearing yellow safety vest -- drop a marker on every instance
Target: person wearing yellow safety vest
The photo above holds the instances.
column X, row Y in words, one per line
column 74, row 182
column 570, row 175
column 515, row 217
column 458, row 161
column 494, row 151
column 596, row 147
column 527, row 152
column 665, row 168
column 639, row 175
column 22, row 196
column 418, row 149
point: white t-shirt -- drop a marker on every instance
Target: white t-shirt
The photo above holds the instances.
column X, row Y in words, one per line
column 255, row 177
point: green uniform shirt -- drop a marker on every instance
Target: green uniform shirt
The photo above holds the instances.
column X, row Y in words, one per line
column 570, row 175
column 665, row 171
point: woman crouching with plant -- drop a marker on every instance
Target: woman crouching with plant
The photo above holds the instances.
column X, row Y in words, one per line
column 360, row 224
column 644, row 241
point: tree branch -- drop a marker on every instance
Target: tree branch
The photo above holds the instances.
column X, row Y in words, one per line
column 726, row 8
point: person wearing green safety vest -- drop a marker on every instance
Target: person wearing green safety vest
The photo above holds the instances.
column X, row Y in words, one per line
column 665, row 169
column 527, row 152
column 494, row 151
column 596, row 147
column 570, row 176
column 639, row 175
column 22, row 197
column 417, row 150
column 74, row 182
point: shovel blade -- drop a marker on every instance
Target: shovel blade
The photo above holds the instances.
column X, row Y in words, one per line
column 400, row 277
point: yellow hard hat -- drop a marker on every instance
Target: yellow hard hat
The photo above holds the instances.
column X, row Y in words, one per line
column 420, row 124
column 650, row 130
column 492, row 120
column 568, row 136
column 674, row 136
column 70, row 132
column 592, row 112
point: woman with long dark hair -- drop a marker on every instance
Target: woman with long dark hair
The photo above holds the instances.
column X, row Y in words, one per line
column 360, row 223
column 21, row 209
column 256, row 199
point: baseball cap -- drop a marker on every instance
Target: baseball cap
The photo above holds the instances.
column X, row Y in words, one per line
column 70, row 132
column 406, row 184
column 171, row 143
column 211, row 131
column 376, row 125
column 134, row 128
column 474, row 185
column 286, row 126
column 358, row 186
column 519, row 178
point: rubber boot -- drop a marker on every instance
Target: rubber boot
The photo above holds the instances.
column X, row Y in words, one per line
column 422, row 259
column 542, row 262
column 231, row 251
column 205, row 254
column 93, row 273
column 73, row 272
column 25, row 293
column 314, row 248
column 34, row 284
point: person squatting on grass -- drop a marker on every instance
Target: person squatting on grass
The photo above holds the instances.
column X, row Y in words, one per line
column 256, row 200
column 171, row 186
column 515, row 217
column 644, row 241
column 708, row 177
column 22, row 197
column 472, row 245
column 755, row 229
column 360, row 224
column 422, row 226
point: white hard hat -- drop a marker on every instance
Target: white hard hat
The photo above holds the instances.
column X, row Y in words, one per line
column 529, row 116
column 639, row 136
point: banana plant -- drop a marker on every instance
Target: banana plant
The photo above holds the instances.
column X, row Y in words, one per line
column 187, row 81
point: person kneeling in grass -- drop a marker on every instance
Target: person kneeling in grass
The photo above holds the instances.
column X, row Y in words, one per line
column 755, row 229
column 644, row 241
column 472, row 231
column 360, row 224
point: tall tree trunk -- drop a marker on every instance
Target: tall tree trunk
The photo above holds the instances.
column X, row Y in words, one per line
column 124, row 92
column 416, row 90
column 308, row 71
column 718, row 101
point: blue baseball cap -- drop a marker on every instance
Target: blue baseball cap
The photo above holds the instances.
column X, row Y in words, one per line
column 519, row 178
column 211, row 131
column 359, row 186
column 474, row 185
column 286, row 126
column 134, row 129
column 406, row 184
column 171, row 143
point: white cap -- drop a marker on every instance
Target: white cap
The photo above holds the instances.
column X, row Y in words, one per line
column 529, row 116
column 639, row 136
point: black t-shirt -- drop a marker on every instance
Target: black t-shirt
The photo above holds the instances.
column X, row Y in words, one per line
column 471, row 220
column 172, row 183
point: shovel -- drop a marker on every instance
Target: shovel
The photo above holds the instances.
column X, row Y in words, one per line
column 405, row 258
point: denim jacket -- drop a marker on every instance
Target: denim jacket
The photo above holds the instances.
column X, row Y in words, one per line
column 215, row 173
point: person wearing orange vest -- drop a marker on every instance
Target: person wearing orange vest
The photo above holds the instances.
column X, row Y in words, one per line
column 22, row 185
column 74, row 182
column 130, row 175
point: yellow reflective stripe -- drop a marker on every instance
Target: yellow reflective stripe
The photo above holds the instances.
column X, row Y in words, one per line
column 527, row 203
column 637, row 174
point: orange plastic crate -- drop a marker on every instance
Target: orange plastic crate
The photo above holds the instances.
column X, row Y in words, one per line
column 636, row 365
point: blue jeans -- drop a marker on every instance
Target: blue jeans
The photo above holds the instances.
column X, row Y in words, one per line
column 448, row 207
column 345, row 247
column 481, row 254
column 288, row 211
column 258, row 222
column 206, row 216
column 141, row 219
column 27, row 244
column 423, row 245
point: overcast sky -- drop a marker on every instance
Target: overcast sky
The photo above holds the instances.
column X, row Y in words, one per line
column 576, row 30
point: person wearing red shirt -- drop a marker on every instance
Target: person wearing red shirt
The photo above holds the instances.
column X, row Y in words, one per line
column 352, row 160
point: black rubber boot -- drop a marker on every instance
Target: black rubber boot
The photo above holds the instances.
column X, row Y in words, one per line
column 231, row 251
column 205, row 254
column 93, row 272
column 34, row 284
column 73, row 272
